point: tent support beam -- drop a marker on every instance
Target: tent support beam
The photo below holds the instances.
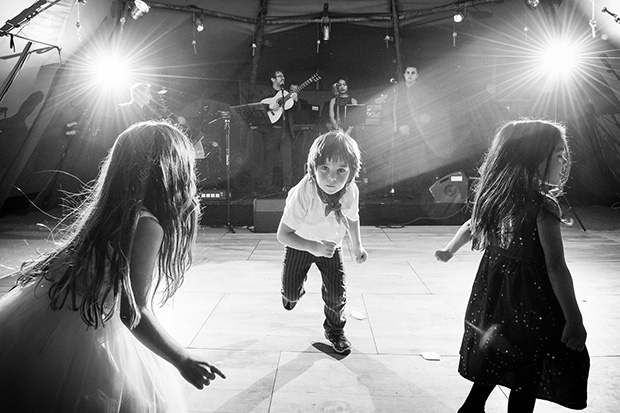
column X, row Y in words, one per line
column 15, row 71
column 395, row 26
column 258, row 41
column 385, row 17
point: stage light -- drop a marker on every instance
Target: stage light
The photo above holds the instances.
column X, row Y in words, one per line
column 110, row 71
column 532, row 4
column 138, row 9
column 560, row 58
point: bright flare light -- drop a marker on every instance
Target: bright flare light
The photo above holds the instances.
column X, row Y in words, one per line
column 561, row 58
column 111, row 72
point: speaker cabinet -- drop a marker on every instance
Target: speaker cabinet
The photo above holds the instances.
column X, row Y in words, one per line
column 452, row 188
column 267, row 214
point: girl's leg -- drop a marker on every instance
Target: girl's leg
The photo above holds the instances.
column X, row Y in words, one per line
column 523, row 393
column 294, row 273
column 521, row 401
column 477, row 398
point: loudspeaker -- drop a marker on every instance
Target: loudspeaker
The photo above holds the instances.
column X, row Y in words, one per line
column 452, row 188
column 267, row 214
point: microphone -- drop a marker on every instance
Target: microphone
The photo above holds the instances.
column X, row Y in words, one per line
column 393, row 81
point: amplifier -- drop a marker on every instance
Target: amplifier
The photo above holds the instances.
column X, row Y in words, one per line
column 303, row 127
column 451, row 188
column 267, row 214
column 206, row 195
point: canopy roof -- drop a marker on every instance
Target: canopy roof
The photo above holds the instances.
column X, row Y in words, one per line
column 478, row 72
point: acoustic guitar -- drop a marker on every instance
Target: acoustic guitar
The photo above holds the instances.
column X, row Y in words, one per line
column 283, row 101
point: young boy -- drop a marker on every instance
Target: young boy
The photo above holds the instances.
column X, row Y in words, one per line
column 319, row 210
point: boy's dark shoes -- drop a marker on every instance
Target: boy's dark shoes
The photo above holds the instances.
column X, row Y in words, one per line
column 339, row 342
column 288, row 305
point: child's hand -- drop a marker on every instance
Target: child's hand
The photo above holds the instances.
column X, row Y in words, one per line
column 198, row 373
column 574, row 336
column 325, row 248
column 361, row 255
column 443, row 255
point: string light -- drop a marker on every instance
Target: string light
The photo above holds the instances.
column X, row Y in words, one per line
column 325, row 25
column 454, row 34
column 532, row 4
column 198, row 23
column 593, row 22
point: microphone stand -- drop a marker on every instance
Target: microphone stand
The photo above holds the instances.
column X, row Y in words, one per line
column 392, row 142
column 284, row 125
column 226, row 116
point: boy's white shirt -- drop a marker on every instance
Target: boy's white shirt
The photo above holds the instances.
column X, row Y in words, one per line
column 304, row 212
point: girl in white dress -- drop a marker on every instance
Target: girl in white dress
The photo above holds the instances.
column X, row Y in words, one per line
column 78, row 331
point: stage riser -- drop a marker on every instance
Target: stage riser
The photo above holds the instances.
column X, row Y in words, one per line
column 371, row 213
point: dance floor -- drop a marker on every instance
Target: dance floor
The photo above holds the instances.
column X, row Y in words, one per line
column 405, row 319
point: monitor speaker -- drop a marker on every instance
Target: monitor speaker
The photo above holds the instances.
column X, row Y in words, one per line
column 452, row 188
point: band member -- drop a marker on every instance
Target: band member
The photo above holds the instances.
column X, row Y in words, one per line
column 326, row 123
column 406, row 102
column 277, row 138
column 413, row 158
column 304, row 131
column 135, row 110
column 337, row 105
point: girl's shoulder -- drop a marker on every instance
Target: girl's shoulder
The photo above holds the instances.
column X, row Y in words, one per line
column 145, row 213
column 548, row 207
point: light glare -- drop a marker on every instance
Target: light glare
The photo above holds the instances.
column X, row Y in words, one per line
column 111, row 71
column 560, row 58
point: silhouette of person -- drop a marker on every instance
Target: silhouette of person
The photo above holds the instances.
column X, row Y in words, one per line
column 14, row 130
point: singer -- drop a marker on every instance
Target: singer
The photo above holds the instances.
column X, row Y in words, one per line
column 337, row 105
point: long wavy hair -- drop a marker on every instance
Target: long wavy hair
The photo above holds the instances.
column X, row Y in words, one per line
column 510, row 182
column 150, row 167
column 335, row 145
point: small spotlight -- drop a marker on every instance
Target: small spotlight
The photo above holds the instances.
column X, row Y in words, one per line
column 199, row 26
column 532, row 4
column 138, row 9
column 459, row 16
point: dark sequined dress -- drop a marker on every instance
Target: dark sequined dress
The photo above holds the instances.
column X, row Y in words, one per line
column 514, row 322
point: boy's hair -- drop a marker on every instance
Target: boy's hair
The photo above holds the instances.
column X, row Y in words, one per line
column 150, row 166
column 335, row 145
column 510, row 181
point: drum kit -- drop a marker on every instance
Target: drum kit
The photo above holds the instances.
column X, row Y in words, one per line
column 198, row 122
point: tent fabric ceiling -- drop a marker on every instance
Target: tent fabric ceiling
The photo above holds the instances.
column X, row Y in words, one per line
column 470, row 74
column 366, row 12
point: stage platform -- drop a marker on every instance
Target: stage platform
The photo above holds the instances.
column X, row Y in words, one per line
column 375, row 209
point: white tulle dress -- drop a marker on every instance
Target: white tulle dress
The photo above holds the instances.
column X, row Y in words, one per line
column 51, row 361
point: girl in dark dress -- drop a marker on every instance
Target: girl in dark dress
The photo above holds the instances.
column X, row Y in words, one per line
column 523, row 326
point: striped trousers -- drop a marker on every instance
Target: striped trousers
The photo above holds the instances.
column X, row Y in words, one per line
column 295, row 269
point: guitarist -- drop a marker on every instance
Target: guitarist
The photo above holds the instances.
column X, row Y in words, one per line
column 277, row 137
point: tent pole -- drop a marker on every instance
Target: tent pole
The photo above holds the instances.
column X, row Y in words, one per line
column 395, row 24
column 258, row 40
column 18, row 66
